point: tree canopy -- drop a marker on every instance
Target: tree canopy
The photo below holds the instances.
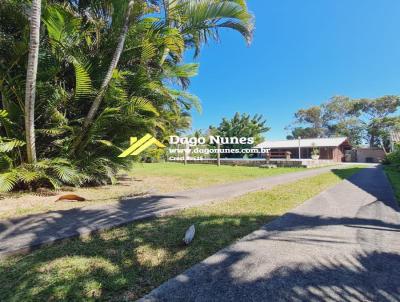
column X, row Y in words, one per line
column 241, row 125
column 85, row 114
column 361, row 120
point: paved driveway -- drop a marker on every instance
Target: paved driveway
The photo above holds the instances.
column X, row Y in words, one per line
column 342, row 245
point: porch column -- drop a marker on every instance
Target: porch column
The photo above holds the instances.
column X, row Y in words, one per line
column 299, row 147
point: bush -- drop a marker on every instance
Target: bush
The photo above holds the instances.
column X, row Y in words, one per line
column 393, row 158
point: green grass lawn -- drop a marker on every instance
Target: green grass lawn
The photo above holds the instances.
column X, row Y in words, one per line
column 176, row 176
column 154, row 178
column 393, row 173
column 127, row 262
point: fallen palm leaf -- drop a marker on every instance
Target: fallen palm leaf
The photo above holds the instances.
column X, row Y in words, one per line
column 70, row 197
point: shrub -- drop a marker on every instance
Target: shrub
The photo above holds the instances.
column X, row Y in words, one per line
column 393, row 158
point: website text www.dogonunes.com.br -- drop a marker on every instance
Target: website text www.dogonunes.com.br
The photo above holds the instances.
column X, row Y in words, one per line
column 197, row 153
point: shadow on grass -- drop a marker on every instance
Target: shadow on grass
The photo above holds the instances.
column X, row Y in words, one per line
column 36, row 229
column 357, row 256
column 127, row 262
column 123, row 263
column 346, row 173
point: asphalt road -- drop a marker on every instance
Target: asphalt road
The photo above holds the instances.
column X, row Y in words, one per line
column 342, row 245
column 26, row 233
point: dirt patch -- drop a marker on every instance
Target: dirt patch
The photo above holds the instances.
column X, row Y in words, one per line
column 20, row 204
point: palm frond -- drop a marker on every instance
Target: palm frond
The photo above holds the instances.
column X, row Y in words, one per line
column 4, row 117
column 109, row 144
column 83, row 82
column 187, row 99
column 179, row 71
column 8, row 181
column 10, row 145
column 29, row 176
column 61, row 25
column 141, row 104
column 200, row 20
column 67, row 174
column 149, row 51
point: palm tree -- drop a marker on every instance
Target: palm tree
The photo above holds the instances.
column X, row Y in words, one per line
column 30, row 90
column 198, row 21
column 106, row 81
column 115, row 59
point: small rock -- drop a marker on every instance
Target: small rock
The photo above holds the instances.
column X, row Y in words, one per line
column 189, row 235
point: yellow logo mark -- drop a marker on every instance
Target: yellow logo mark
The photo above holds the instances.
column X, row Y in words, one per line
column 138, row 146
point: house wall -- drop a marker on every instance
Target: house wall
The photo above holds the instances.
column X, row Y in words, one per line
column 338, row 154
column 294, row 153
column 364, row 155
column 325, row 153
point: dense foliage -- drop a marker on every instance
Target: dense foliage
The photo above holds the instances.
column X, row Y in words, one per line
column 393, row 158
column 361, row 120
column 241, row 125
column 147, row 92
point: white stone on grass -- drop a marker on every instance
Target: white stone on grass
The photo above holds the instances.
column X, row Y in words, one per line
column 189, row 235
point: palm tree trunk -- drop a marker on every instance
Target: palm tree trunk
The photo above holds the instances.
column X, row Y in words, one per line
column 30, row 89
column 106, row 81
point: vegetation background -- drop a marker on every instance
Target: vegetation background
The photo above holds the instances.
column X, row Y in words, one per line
column 361, row 120
column 78, row 77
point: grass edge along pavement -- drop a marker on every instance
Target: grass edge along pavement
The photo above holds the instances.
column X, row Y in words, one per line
column 127, row 262
column 393, row 174
column 197, row 176
column 141, row 179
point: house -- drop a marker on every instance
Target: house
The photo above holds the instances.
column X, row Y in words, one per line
column 369, row 154
column 331, row 148
column 394, row 139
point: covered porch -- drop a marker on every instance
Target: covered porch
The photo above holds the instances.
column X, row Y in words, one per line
column 332, row 149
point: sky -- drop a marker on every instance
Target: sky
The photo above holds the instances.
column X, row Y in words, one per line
column 303, row 53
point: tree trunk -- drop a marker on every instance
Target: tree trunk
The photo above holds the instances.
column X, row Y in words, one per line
column 381, row 141
column 372, row 141
column 114, row 62
column 30, row 89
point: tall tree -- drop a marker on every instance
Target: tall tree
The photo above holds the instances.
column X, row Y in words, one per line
column 198, row 21
column 147, row 92
column 378, row 112
column 358, row 119
column 107, row 78
column 380, row 129
column 301, row 132
column 314, row 118
column 343, row 118
column 31, row 74
column 380, row 107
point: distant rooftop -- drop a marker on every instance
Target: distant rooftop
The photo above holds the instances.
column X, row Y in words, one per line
column 304, row 143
